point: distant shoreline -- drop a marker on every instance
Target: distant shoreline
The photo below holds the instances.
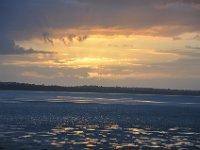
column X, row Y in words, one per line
column 98, row 89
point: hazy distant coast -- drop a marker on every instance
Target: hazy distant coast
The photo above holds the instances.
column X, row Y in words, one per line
column 34, row 87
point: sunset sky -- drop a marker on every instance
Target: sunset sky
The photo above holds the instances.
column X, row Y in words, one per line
column 133, row 43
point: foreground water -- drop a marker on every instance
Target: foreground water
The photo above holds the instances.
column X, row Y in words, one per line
column 59, row 120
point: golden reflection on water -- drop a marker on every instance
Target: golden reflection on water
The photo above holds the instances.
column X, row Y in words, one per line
column 137, row 137
column 110, row 137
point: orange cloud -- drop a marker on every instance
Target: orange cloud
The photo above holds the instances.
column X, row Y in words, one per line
column 136, row 75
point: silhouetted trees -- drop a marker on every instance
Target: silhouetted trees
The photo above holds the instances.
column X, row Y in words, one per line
column 33, row 87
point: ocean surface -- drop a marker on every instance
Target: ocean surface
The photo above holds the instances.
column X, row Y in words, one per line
column 31, row 120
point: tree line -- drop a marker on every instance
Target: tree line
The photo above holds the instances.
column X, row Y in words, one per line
column 134, row 90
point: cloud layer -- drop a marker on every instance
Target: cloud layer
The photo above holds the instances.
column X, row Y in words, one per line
column 35, row 15
column 131, row 41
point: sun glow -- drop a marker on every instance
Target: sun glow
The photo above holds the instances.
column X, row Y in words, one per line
column 108, row 57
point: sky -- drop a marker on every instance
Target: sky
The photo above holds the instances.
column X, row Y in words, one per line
column 128, row 43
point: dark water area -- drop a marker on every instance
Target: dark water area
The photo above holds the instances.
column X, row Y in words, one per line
column 59, row 120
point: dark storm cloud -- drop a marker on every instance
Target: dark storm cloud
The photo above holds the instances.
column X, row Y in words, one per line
column 69, row 39
column 36, row 15
column 7, row 47
column 25, row 19
column 72, row 37
column 47, row 37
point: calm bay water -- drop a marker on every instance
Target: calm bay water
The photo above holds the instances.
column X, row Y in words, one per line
column 60, row 120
